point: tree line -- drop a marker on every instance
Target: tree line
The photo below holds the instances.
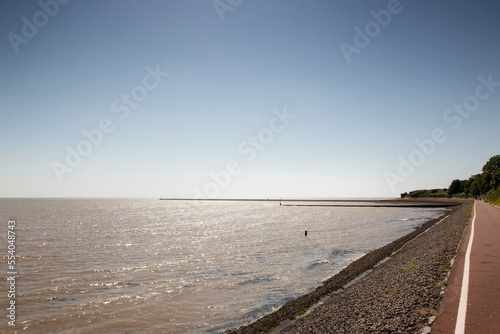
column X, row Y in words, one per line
column 485, row 185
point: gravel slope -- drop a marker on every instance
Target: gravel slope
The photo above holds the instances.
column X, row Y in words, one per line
column 399, row 295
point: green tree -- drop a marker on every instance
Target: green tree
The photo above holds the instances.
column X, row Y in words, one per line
column 474, row 185
column 492, row 165
column 455, row 187
column 491, row 173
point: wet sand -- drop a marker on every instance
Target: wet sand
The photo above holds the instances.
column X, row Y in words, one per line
column 399, row 294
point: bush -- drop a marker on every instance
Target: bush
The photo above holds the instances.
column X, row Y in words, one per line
column 493, row 196
column 433, row 193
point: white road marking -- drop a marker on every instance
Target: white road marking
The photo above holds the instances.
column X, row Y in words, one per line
column 462, row 306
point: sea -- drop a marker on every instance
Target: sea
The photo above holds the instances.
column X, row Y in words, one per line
column 152, row 266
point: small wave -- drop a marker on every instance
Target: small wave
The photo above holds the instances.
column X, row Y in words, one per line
column 318, row 263
column 60, row 299
column 257, row 280
column 241, row 273
column 342, row 252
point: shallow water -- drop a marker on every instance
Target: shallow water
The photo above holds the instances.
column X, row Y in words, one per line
column 150, row 266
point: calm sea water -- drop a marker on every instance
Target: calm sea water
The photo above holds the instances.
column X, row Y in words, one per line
column 150, row 266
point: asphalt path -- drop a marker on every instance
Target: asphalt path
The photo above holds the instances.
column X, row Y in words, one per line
column 471, row 301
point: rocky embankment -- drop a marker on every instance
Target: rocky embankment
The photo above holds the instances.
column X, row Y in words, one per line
column 398, row 295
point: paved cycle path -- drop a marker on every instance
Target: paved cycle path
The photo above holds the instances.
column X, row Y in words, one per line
column 471, row 301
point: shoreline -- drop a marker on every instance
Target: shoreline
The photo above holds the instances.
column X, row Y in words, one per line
column 376, row 203
column 358, row 276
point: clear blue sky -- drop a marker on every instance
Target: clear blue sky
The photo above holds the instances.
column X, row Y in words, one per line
column 347, row 117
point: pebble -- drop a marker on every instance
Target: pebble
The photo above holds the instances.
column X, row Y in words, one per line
column 400, row 295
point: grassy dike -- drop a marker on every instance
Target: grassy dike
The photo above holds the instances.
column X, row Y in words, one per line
column 334, row 286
